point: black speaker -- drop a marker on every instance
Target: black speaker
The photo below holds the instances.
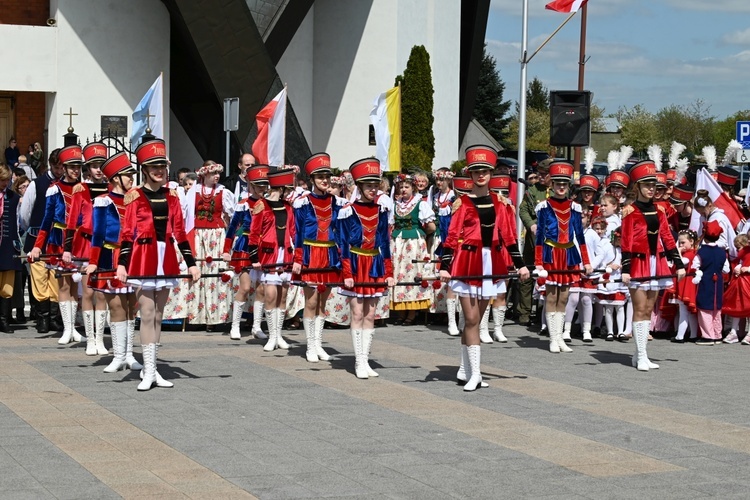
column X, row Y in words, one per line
column 570, row 122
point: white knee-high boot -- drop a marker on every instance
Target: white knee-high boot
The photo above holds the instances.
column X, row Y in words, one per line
column 559, row 324
column 73, row 305
column 280, row 342
column 484, row 327
column 100, row 323
column 88, row 326
column 311, row 353
column 366, row 346
column 65, row 313
column 149, row 367
column 271, row 322
column 640, row 360
column 257, row 318
column 553, row 345
column 450, row 304
column 498, row 317
column 462, row 368
column 360, row 370
column 475, row 357
column 119, row 332
column 234, row 332
column 320, row 323
column 133, row 363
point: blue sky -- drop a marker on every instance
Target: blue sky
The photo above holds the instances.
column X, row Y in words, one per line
column 650, row 52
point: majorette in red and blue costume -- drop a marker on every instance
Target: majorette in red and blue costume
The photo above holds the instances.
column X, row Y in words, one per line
column 108, row 214
column 362, row 232
column 59, row 196
column 80, row 222
column 238, row 230
column 315, row 245
column 559, row 226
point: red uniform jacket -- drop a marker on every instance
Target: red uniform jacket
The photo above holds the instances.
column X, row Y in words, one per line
column 80, row 220
column 465, row 239
column 263, row 233
column 138, row 228
column 635, row 241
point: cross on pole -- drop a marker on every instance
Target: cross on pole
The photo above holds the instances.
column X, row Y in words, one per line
column 70, row 114
column 148, row 122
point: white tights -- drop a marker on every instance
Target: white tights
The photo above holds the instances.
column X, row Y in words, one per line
column 609, row 312
column 686, row 319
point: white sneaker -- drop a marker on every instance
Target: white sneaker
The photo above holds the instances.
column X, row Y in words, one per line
column 731, row 338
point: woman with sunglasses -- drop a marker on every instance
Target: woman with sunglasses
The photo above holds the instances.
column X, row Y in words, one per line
column 647, row 244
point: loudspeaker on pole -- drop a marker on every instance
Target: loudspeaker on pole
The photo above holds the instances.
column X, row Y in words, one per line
column 570, row 120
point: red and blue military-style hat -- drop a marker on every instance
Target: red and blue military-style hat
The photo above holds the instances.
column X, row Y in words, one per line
column 257, row 174
column 643, row 171
column 561, row 171
column 366, row 170
column 71, row 155
column 94, row 151
column 153, row 152
column 661, row 179
column 282, row 177
column 727, row 175
column 500, row 182
column 480, row 158
column 462, row 184
column 319, row 163
column 681, row 193
column 117, row 164
column 589, row 181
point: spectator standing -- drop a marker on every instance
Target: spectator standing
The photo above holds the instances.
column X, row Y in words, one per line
column 22, row 275
column 36, row 159
column 9, row 246
column 12, row 153
column 27, row 169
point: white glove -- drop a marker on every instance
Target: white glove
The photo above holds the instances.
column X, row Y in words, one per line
column 738, row 268
column 698, row 276
column 608, row 270
column 542, row 273
column 183, row 267
column 685, row 261
column 77, row 277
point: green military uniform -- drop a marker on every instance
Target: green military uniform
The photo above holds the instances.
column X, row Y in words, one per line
column 534, row 194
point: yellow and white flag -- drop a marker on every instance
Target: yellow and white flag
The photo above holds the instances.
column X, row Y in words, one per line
column 386, row 119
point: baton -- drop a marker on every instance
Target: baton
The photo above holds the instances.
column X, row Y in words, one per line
column 650, row 278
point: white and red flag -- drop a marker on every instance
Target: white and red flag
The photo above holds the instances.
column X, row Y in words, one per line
column 567, row 6
column 268, row 148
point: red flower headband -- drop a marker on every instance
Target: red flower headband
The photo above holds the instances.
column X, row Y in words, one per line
column 213, row 168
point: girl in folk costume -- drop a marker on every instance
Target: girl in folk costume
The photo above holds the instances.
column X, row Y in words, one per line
column 479, row 229
column 737, row 295
column 270, row 244
column 709, row 212
column 153, row 219
column 209, row 207
column 559, row 227
column 414, row 221
column 685, row 289
column 500, row 186
column 362, row 232
column 443, row 197
column 612, row 295
column 315, row 248
column 237, row 241
column 51, row 238
column 77, row 244
column 647, row 243
column 710, row 264
column 107, row 217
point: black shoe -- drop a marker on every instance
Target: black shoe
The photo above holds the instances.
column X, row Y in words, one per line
column 54, row 320
column 5, row 316
column 609, row 337
column 42, row 318
column 544, row 332
column 677, row 341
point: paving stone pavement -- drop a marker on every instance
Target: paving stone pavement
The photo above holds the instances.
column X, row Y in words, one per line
column 244, row 423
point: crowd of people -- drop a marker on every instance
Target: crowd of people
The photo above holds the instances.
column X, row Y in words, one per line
column 346, row 248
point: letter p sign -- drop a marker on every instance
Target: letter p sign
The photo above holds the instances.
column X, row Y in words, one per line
column 743, row 134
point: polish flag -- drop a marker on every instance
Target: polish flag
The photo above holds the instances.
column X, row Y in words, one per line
column 566, row 6
column 704, row 180
column 268, row 148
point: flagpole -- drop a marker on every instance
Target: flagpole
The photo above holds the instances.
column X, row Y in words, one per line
column 286, row 104
column 400, row 130
column 581, row 68
column 521, row 191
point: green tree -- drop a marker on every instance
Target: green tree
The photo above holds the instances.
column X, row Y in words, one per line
column 537, row 130
column 725, row 130
column 537, row 96
column 490, row 110
column 597, row 118
column 638, row 127
column 417, row 105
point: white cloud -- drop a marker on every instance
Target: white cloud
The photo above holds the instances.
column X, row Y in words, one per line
column 713, row 6
column 738, row 37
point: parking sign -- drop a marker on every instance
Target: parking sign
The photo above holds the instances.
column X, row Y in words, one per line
column 743, row 134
